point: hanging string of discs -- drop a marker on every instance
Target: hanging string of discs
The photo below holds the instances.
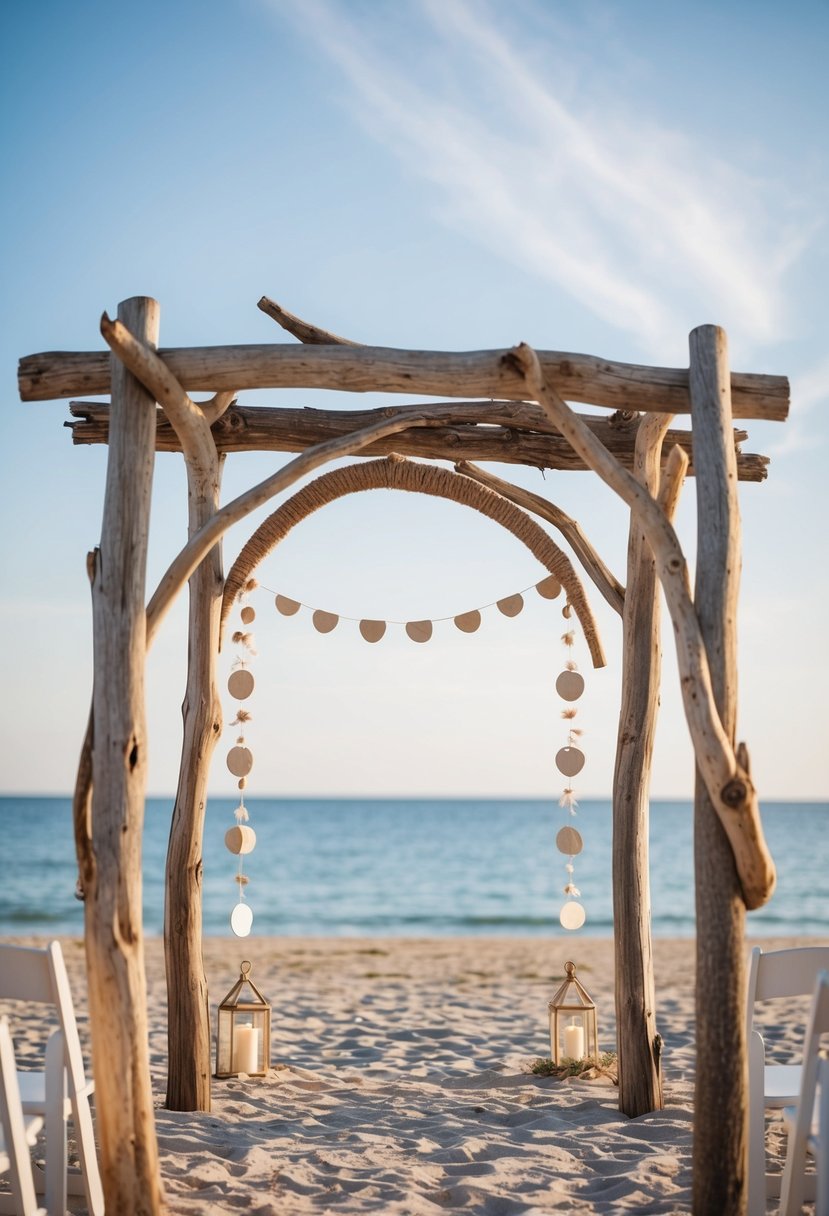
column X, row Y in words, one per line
column 241, row 839
column 372, row 629
column 570, row 762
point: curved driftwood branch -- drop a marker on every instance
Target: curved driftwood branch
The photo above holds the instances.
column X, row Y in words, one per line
column 729, row 785
column 183, row 565
column 394, row 473
column 217, row 406
column 186, row 418
column 313, row 335
column 670, row 487
column 604, row 579
column 366, row 369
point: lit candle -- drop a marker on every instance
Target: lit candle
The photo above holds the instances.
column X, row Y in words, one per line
column 245, row 1049
column 574, row 1040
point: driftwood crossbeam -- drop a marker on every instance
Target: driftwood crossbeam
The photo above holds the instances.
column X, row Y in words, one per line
column 522, row 417
column 503, row 432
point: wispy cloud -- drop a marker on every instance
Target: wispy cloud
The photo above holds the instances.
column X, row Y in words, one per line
column 635, row 221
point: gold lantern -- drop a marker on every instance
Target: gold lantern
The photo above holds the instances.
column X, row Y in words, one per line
column 243, row 1032
column 574, row 1032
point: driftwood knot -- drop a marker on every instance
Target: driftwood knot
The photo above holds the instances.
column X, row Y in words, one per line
column 735, row 792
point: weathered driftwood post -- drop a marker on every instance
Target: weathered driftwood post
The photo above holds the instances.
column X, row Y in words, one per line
column 638, row 1044
column 114, row 934
column 720, row 1102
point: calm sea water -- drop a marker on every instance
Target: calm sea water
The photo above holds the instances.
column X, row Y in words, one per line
column 355, row 867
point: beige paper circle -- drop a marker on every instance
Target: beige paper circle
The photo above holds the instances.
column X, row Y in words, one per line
column 240, row 840
column 285, row 606
column 469, row 622
column 569, row 760
column 570, row 685
column 419, row 631
column 568, row 841
column 372, row 631
column 324, row 622
column 572, row 915
column 240, row 683
column 549, row 587
column 248, row 614
column 241, row 919
column 240, row 761
column 511, row 606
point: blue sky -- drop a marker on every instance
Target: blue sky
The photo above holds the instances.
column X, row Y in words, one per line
column 597, row 178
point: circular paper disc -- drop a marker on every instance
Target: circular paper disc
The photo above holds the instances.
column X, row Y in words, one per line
column 569, row 760
column 570, row 685
column 324, row 622
column 241, row 919
column 248, row 614
column 568, row 841
column 549, row 587
column 240, row 683
column 468, row 622
column 572, row 915
column 511, row 606
column 240, row 839
column 285, row 606
column 419, row 631
column 372, row 631
column 240, row 761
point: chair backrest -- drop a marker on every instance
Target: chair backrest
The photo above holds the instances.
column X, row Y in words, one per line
column 782, row 973
column 800, row 1134
column 38, row 976
column 14, row 1149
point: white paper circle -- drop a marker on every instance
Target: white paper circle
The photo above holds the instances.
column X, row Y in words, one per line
column 240, row 683
column 324, row 621
column 572, row 915
column 372, row 631
column 569, row 761
column 419, row 631
column 511, row 606
column 469, row 622
column 549, row 587
column 241, row 919
column 240, row 761
column 285, row 606
column 248, row 614
column 570, row 685
column 569, row 842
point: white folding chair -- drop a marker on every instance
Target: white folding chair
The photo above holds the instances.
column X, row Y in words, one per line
column 773, row 975
column 18, row 1132
column 61, row 1090
column 808, row 1122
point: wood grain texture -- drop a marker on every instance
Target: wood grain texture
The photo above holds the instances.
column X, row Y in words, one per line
column 113, row 914
column 502, row 431
column 377, row 369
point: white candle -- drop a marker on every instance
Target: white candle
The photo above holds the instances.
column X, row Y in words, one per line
column 574, row 1041
column 245, row 1048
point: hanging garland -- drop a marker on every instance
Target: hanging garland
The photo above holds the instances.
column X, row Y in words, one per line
column 241, row 839
column 372, row 630
column 570, row 762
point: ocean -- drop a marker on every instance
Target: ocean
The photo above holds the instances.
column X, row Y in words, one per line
column 411, row 868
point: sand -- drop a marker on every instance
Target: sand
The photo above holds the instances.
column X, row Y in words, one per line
column 401, row 1085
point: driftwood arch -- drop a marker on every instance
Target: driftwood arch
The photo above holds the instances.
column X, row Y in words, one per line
column 522, row 417
column 395, row 473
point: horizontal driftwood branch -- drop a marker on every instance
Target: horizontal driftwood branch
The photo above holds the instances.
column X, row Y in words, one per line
column 364, row 369
column 507, row 432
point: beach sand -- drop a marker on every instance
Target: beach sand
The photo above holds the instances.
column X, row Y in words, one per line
column 400, row 1083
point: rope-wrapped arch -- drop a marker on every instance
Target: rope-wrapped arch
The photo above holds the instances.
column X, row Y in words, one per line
column 395, row 473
